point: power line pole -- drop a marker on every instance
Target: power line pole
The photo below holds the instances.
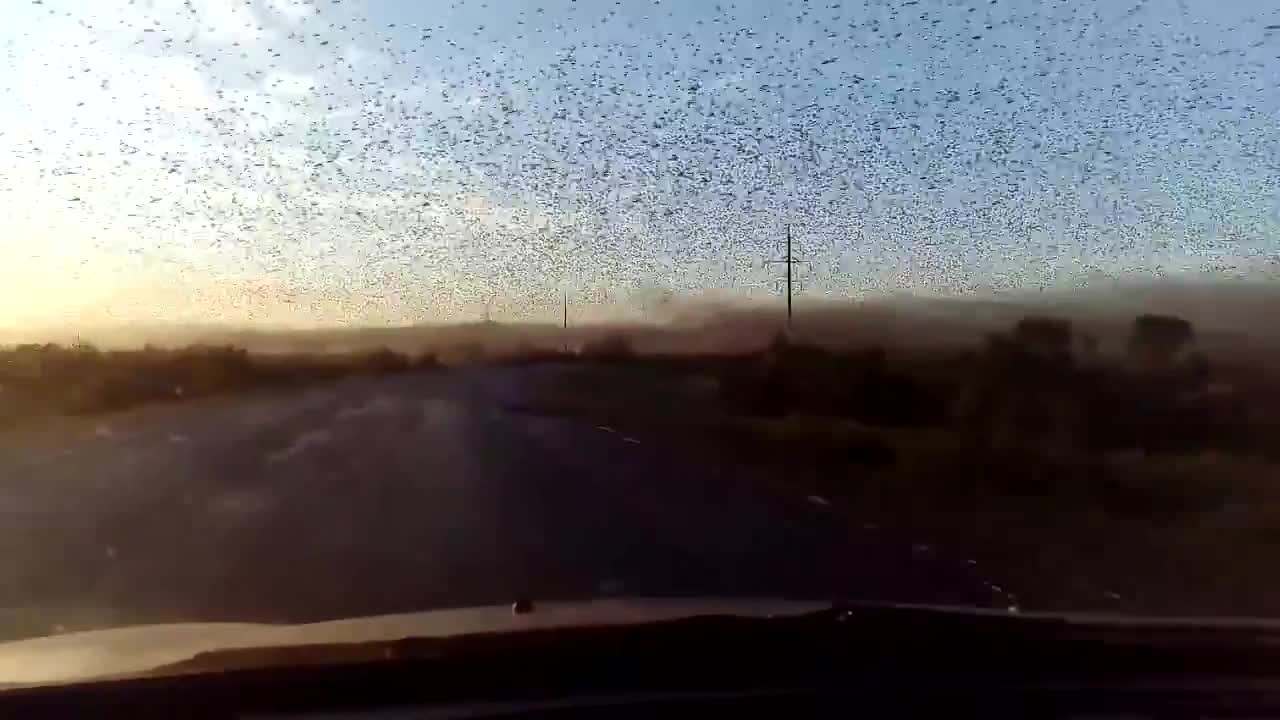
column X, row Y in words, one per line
column 790, row 260
column 488, row 306
column 564, row 335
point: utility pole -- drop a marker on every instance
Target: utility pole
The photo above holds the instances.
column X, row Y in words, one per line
column 488, row 305
column 790, row 260
column 564, row 335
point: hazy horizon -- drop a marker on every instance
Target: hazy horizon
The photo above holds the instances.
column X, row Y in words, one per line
column 1216, row 306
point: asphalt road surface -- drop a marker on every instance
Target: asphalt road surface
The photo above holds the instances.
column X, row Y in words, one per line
column 401, row 493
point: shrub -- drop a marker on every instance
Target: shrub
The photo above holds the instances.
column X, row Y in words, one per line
column 614, row 346
column 465, row 353
column 1045, row 337
column 384, row 360
column 49, row 379
column 1157, row 340
column 861, row 385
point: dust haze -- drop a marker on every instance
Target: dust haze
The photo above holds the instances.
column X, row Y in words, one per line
column 1228, row 315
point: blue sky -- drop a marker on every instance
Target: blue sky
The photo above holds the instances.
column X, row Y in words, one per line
column 289, row 162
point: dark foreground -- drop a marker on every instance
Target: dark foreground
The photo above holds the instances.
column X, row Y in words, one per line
column 402, row 493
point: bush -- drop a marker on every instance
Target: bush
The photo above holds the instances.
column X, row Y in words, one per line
column 384, row 360
column 614, row 346
column 1159, row 338
column 50, row 379
column 534, row 355
column 1045, row 337
column 466, row 353
column 860, row 385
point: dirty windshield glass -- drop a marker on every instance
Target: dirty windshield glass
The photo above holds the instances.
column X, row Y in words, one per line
column 328, row 309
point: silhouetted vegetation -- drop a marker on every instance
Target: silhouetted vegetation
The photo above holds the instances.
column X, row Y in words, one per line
column 859, row 384
column 41, row 380
column 1034, row 414
column 1035, row 386
column 1036, row 411
column 1082, row 449
column 611, row 347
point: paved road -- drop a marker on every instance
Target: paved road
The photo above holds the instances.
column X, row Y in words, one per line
column 404, row 493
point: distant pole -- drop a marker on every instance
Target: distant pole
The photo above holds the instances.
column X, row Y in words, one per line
column 565, row 334
column 790, row 262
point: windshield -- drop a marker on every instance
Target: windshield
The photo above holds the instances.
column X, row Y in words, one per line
column 322, row 310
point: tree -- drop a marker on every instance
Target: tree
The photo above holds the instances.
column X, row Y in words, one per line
column 1028, row 392
column 1157, row 341
column 1043, row 336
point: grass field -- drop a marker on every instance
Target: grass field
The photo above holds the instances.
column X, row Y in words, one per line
column 1132, row 481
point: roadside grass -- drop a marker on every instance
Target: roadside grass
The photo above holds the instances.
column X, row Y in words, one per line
column 1166, row 533
column 929, row 466
column 47, row 380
